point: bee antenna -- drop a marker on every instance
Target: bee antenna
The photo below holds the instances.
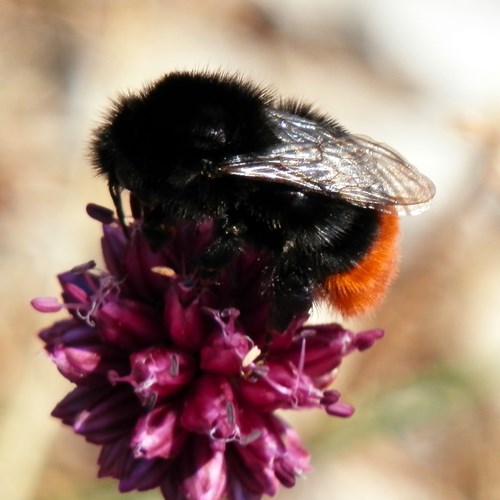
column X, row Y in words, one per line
column 115, row 192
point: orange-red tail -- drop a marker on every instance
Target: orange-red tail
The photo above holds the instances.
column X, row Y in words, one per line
column 364, row 287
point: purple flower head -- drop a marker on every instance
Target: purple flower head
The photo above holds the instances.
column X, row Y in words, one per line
column 178, row 377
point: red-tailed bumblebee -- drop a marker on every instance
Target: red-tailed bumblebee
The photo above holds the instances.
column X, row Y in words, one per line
column 271, row 173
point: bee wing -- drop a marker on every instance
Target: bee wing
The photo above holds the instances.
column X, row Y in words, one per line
column 357, row 169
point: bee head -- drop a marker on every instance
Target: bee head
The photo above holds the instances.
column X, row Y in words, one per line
column 176, row 130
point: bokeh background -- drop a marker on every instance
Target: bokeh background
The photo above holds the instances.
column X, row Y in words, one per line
column 420, row 75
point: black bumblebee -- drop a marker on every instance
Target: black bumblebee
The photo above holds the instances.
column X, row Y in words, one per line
column 269, row 172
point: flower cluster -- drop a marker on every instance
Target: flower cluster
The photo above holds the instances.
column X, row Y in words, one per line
column 178, row 377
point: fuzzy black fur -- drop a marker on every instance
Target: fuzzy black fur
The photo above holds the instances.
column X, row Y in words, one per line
column 164, row 143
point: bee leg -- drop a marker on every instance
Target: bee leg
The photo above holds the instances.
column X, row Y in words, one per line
column 115, row 192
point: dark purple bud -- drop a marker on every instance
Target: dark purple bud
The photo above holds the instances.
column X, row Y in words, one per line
column 116, row 460
column 114, row 245
column 102, row 414
column 142, row 474
column 69, row 332
column 113, row 458
column 100, row 214
column 78, row 401
column 109, row 419
column 83, row 268
column 235, row 489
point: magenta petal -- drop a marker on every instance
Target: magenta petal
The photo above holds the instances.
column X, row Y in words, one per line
column 139, row 260
column 284, row 471
column 323, row 381
column 275, row 456
column 159, row 371
column 79, row 354
column 284, row 342
column 364, row 340
column 210, row 408
column 84, row 364
column 338, row 342
column 223, row 354
column 158, row 434
column 200, row 474
column 324, row 346
column 295, row 453
column 263, row 394
column 252, row 477
column 74, row 292
column 185, row 324
column 129, row 324
column 281, row 387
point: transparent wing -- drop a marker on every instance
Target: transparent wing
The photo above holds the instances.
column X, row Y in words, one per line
column 353, row 167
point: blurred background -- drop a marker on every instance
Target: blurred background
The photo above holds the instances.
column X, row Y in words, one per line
column 422, row 76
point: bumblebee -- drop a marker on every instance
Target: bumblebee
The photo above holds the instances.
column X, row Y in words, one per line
column 272, row 173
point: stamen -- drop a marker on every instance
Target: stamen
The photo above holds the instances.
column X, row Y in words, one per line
column 300, row 367
column 231, row 417
column 174, row 367
column 251, row 356
column 80, row 269
column 107, row 285
column 47, row 304
column 87, row 316
column 168, row 272
column 333, row 406
column 225, row 318
column 250, row 438
column 115, row 192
